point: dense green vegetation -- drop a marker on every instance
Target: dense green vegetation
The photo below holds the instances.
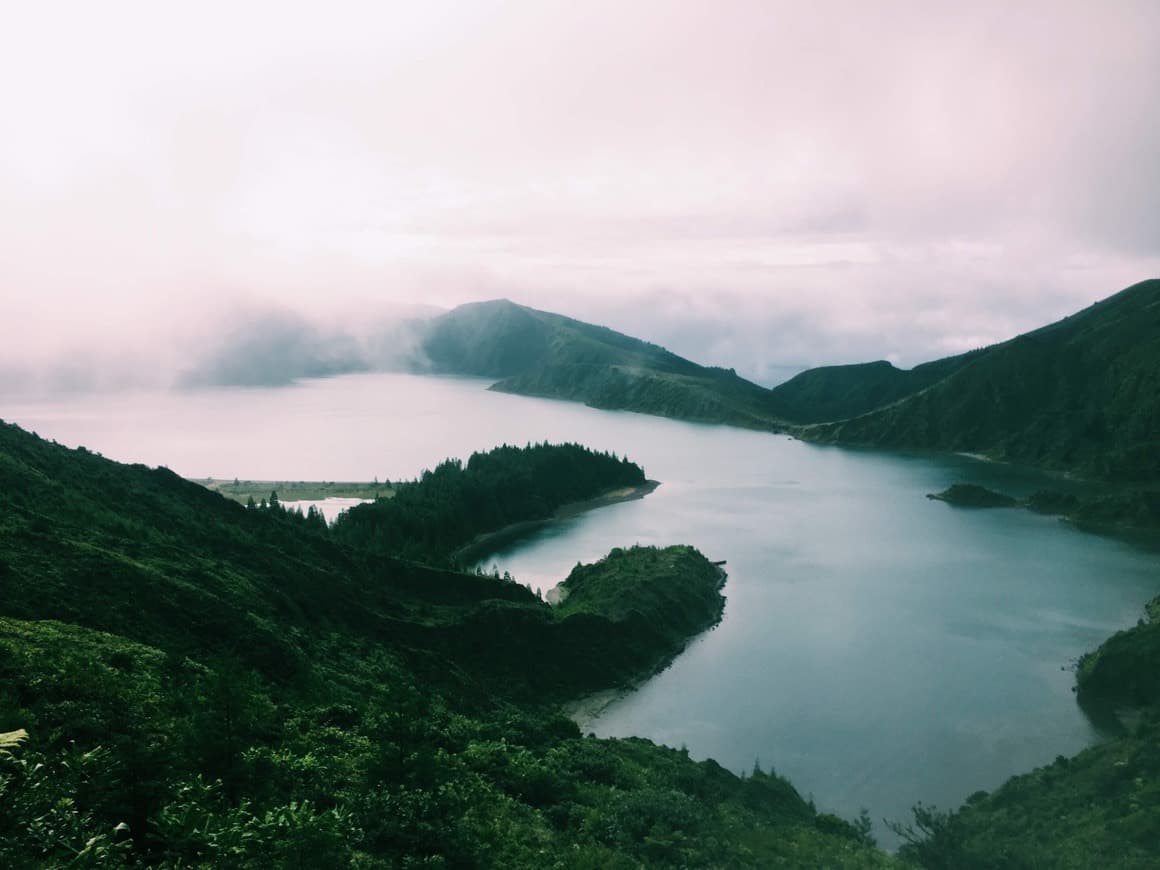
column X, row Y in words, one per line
column 1078, row 395
column 831, row 393
column 972, row 495
column 1128, row 509
column 430, row 518
column 672, row 593
column 1125, row 670
column 536, row 353
column 188, row 683
column 208, row 686
column 1121, row 511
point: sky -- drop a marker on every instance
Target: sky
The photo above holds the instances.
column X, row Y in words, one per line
column 765, row 185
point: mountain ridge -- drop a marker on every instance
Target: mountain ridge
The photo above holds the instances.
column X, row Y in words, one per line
column 198, row 684
column 538, row 353
column 1075, row 395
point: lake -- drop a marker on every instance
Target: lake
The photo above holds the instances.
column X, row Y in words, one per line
column 877, row 648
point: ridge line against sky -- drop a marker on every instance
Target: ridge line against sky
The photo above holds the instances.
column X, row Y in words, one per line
column 759, row 185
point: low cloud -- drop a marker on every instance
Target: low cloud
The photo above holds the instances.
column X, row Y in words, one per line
column 752, row 183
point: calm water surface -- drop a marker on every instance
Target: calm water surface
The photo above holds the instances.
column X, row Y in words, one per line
column 877, row 648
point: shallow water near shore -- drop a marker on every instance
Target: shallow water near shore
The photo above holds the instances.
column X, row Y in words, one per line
column 877, row 648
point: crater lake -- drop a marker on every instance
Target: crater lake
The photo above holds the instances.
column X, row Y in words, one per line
column 877, row 648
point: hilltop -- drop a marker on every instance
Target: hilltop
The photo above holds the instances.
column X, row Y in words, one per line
column 537, row 353
column 1077, row 395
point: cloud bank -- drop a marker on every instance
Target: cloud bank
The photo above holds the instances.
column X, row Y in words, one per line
column 755, row 184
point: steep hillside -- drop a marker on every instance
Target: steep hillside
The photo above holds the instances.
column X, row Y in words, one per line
column 203, row 685
column 1078, row 395
column 536, row 353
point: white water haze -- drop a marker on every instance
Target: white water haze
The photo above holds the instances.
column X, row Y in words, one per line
column 752, row 184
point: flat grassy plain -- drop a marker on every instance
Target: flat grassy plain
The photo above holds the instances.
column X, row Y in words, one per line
column 295, row 490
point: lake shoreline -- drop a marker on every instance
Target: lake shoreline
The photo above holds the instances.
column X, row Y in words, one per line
column 586, row 709
column 489, row 542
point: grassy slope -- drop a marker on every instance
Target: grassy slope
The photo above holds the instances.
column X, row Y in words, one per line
column 1078, row 395
column 833, row 393
column 537, row 353
column 244, row 693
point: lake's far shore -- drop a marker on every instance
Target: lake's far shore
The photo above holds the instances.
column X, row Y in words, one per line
column 295, row 490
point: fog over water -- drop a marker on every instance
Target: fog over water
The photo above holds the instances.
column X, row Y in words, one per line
column 757, row 184
column 877, row 647
column 203, row 206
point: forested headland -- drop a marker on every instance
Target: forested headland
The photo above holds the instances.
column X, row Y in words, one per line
column 188, row 683
column 428, row 519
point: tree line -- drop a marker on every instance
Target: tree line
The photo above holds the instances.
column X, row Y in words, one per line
column 429, row 518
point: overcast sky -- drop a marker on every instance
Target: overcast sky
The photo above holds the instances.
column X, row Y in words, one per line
column 758, row 184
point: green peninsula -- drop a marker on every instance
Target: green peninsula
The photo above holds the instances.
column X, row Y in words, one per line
column 537, row 353
column 188, row 683
column 658, row 598
column 445, row 515
column 972, row 495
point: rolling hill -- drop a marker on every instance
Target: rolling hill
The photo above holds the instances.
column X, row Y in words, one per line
column 831, row 393
column 1078, row 395
column 537, row 353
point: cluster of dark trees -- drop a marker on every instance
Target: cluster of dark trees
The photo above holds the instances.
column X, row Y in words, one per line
column 429, row 518
column 313, row 519
column 187, row 683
